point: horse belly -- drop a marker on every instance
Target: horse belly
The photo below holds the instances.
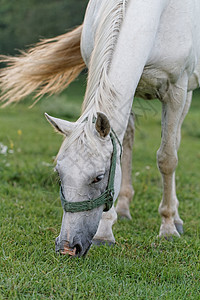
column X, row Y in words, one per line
column 152, row 85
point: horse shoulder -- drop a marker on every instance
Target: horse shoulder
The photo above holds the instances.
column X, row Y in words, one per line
column 176, row 50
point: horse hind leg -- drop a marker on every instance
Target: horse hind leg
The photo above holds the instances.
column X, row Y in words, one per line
column 175, row 108
column 177, row 220
column 126, row 192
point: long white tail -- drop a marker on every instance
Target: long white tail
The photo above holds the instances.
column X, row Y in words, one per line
column 48, row 67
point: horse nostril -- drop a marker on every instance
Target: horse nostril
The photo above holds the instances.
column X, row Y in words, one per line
column 78, row 248
column 74, row 250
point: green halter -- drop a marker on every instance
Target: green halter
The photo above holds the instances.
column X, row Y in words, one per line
column 107, row 197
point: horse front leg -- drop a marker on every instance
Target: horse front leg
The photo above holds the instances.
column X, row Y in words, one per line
column 104, row 234
column 126, row 192
column 174, row 109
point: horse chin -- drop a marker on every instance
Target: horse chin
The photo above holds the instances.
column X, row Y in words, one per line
column 64, row 248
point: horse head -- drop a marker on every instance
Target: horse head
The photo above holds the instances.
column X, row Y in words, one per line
column 88, row 165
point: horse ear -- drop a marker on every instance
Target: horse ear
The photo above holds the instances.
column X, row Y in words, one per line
column 61, row 126
column 102, row 125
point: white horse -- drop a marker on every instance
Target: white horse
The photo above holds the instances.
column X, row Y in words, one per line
column 148, row 48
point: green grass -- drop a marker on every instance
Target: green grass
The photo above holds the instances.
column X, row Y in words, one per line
column 140, row 266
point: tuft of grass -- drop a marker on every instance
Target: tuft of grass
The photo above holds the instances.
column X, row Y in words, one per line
column 140, row 266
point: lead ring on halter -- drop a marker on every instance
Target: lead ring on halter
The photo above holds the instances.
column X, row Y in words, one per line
column 105, row 198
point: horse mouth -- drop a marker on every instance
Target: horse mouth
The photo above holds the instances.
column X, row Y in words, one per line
column 64, row 248
column 68, row 250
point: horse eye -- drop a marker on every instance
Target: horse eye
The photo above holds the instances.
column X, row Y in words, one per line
column 98, row 178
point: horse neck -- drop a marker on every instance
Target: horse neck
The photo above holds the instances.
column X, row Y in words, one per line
column 115, row 71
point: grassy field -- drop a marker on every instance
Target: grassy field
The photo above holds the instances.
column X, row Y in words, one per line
column 140, row 266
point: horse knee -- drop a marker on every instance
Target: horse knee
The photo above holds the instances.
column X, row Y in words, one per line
column 167, row 161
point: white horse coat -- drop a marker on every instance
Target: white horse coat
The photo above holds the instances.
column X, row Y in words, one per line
column 157, row 55
column 170, row 36
column 131, row 47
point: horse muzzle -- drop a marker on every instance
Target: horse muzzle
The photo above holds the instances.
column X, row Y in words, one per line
column 77, row 249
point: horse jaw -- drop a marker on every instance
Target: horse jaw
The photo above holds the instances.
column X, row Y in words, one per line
column 79, row 229
column 77, row 170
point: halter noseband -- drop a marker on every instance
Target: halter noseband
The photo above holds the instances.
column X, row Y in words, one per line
column 105, row 198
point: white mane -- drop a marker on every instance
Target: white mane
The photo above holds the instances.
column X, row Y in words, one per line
column 100, row 93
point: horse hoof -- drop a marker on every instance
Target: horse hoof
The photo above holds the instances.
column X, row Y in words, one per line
column 179, row 228
column 125, row 217
column 169, row 238
column 124, row 214
column 102, row 242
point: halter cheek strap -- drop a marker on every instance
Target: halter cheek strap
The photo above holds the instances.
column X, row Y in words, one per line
column 104, row 199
